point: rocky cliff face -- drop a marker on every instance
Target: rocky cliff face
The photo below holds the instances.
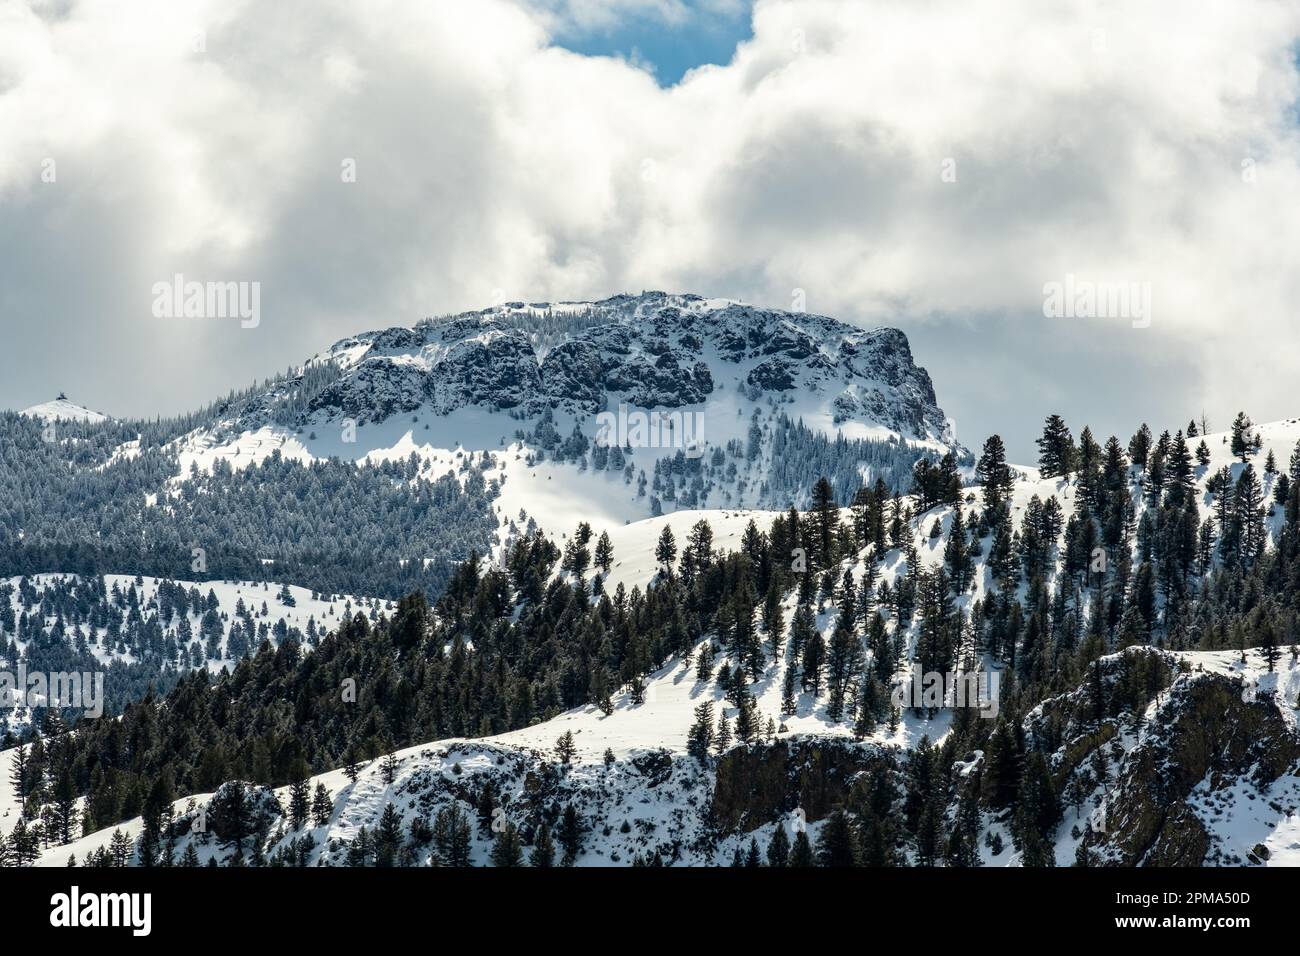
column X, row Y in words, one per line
column 1204, row 734
column 1204, row 746
column 755, row 785
column 651, row 351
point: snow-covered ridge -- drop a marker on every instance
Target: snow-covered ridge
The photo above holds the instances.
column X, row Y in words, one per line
column 61, row 409
column 494, row 380
column 653, row 350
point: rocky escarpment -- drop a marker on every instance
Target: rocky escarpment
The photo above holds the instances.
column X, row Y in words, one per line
column 1204, row 732
column 1205, row 729
column 758, row 784
column 653, row 350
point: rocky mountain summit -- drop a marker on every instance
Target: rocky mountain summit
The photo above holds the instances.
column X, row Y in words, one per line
column 652, row 350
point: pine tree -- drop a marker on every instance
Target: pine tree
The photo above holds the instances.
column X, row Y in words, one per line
column 65, row 800
column 814, row 654
column 566, row 748
column 299, row 794
column 1139, row 447
column 704, row 667
column 1241, row 437
column 787, row 690
column 572, row 830
column 722, row 739
column 388, row 837
column 1002, row 774
column 322, row 806
column 507, row 851
column 543, row 854
column 19, row 770
column 825, row 518
column 1037, row 807
column 700, row 737
column 1056, row 451
column 837, row 844
column 604, row 553
column 774, row 619
column 451, row 837
column 801, row 853
column 956, row 553
column 993, row 473
column 666, row 550
column 778, row 848
column 1268, row 642
column 352, row 763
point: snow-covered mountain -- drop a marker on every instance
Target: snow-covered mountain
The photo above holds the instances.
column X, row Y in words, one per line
column 1150, row 730
column 607, row 411
column 650, row 351
column 61, row 409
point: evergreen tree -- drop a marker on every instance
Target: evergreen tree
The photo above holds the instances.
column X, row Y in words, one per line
column 1241, row 437
column 452, row 837
column 572, row 830
column 1056, row 451
column 700, row 737
column 543, row 854
column 778, row 848
column 300, row 794
column 604, row 553
column 322, row 806
column 825, row 521
column 507, row 851
column 837, row 843
column 801, row 852
column 994, row 475
column 566, row 748
column 388, row 837
column 666, row 550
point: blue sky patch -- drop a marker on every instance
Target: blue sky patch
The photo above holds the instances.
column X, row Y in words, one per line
column 669, row 49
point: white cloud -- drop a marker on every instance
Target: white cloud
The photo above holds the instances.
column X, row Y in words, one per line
column 1100, row 139
column 594, row 16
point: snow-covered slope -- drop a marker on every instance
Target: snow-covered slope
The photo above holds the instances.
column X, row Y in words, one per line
column 124, row 620
column 261, row 600
column 652, row 798
column 61, row 409
column 639, row 793
column 520, row 381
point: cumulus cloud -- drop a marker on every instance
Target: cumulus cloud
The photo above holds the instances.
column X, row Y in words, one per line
column 584, row 16
column 927, row 164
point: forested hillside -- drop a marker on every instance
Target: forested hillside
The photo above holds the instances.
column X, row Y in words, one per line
column 1114, row 593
